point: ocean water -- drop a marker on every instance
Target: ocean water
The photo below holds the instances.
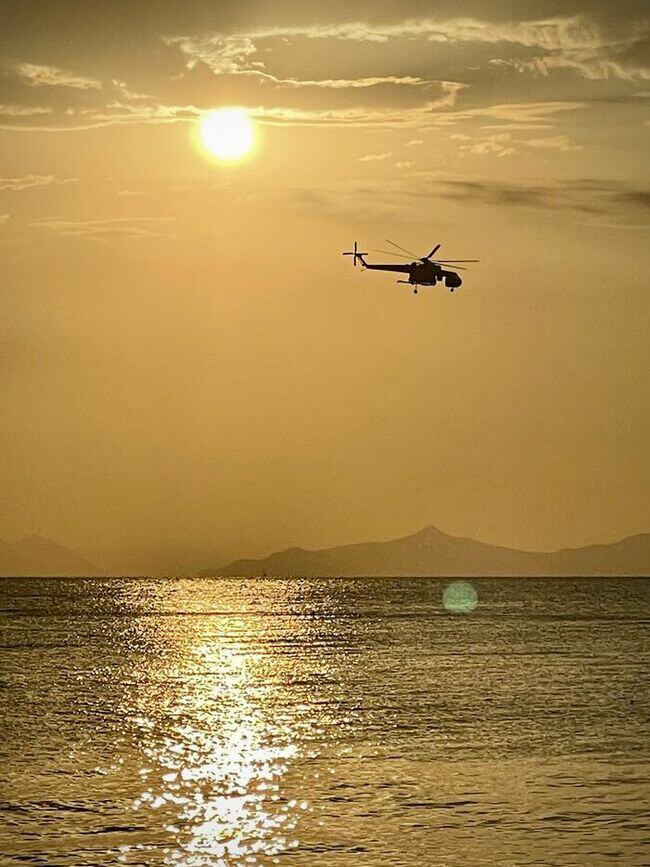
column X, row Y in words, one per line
column 333, row 722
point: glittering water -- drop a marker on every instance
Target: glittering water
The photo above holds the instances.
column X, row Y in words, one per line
column 335, row 722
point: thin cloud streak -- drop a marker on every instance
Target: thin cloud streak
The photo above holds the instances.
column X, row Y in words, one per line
column 371, row 158
column 560, row 143
column 28, row 181
column 23, row 110
column 134, row 227
column 51, row 76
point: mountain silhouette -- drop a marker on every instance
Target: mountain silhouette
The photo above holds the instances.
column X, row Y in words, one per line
column 36, row 556
column 431, row 552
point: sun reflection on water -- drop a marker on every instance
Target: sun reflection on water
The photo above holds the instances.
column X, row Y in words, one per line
column 216, row 774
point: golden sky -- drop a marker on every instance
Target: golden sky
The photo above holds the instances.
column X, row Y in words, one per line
column 190, row 369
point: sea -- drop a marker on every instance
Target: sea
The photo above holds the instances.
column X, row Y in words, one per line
column 335, row 722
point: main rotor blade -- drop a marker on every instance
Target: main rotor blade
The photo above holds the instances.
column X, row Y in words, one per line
column 389, row 253
column 393, row 244
column 435, row 261
column 435, row 249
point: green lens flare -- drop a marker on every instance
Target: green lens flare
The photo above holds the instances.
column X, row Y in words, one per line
column 459, row 597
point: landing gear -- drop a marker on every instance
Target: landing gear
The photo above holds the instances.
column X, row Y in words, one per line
column 415, row 291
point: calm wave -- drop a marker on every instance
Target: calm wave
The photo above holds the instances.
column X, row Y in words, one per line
column 336, row 722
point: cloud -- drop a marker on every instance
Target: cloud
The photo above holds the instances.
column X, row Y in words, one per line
column 497, row 144
column 112, row 114
column 430, row 113
column 223, row 54
column 371, row 158
column 133, row 227
column 22, row 110
column 123, row 113
column 413, row 142
column 525, row 112
column 556, row 142
column 231, row 55
column 353, row 83
column 589, row 66
column 636, row 198
column 125, row 91
column 405, row 164
column 573, row 42
column 27, row 181
column 584, row 195
column 603, row 201
column 502, row 144
column 551, row 34
column 52, row 76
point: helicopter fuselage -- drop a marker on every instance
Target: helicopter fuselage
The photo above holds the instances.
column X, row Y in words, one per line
column 428, row 274
column 420, row 273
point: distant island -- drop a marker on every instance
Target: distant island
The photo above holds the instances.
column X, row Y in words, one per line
column 36, row 556
column 427, row 553
column 430, row 553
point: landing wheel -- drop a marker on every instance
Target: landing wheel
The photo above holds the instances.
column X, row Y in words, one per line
column 415, row 291
column 451, row 290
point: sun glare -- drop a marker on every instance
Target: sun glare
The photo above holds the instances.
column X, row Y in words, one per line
column 227, row 133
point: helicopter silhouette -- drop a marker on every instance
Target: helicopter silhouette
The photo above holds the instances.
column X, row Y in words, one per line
column 423, row 271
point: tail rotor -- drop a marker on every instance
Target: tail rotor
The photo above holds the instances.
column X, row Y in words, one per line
column 355, row 254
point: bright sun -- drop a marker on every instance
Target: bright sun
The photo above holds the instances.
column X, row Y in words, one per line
column 227, row 133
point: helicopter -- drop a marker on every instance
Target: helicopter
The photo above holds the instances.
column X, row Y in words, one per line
column 423, row 271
